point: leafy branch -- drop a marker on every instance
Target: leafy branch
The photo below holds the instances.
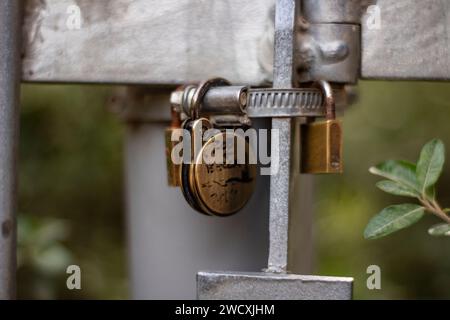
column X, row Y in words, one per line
column 415, row 181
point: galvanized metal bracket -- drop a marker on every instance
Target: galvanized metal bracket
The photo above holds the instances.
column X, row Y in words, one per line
column 328, row 41
column 398, row 41
column 271, row 286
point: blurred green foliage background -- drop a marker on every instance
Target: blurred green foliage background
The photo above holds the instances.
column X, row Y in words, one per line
column 392, row 120
column 70, row 193
column 71, row 207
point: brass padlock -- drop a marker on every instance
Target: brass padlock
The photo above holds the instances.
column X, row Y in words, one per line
column 213, row 180
column 216, row 189
column 173, row 169
column 321, row 141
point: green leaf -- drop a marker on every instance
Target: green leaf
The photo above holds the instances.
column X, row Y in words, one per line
column 440, row 230
column 431, row 193
column 402, row 172
column 393, row 218
column 397, row 189
column 430, row 164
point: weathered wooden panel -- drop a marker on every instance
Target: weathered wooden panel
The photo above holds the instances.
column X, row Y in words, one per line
column 148, row 41
column 412, row 41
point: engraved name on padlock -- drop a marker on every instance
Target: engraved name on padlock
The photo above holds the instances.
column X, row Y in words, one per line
column 218, row 189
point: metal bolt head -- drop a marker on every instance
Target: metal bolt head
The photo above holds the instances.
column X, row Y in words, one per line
column 176, row 98
column 243, row 99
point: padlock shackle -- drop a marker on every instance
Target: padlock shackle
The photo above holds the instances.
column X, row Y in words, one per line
column 330, row 104
column 202, row 89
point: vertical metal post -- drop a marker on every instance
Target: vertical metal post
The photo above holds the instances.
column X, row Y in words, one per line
column 285, row 19
column 9, row 127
